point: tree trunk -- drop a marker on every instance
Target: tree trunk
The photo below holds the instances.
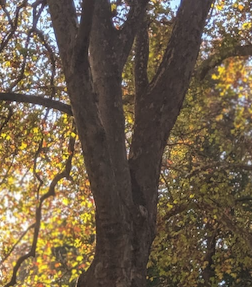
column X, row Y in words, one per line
column 125, row 190
column 208, row 273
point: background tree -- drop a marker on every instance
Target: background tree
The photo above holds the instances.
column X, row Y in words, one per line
column 95, row 40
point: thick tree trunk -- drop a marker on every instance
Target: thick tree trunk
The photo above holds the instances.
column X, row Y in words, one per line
column 125, row 265
column 125, row 191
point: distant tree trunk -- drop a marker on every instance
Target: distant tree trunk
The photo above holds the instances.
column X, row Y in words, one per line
column 125, row 190
column 209, row 272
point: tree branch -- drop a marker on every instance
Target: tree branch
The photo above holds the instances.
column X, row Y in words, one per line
column 130, row 28
column 17, row 242
column 157, row 111
column 103, row 7
column 65, row 24
column 179, row 208
column 83, row 35
column 141, row 58
column 106, row 75
column 6, row 119
column 227, row 220
column 14, row 24
column 243, row 199
column 219, row 57
column 183, row 47
column 221, row 165
column 51, row 192
column 31, row 99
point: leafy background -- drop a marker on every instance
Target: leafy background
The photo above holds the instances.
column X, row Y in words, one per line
column 204, row 221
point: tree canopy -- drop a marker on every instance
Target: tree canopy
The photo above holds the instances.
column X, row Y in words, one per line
column 125, row 143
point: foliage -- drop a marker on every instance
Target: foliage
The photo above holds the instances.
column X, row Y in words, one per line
column 205, row 190
column 36, row 143
column 204, row 206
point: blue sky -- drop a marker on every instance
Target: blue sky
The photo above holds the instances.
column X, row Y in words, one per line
column 175, row 3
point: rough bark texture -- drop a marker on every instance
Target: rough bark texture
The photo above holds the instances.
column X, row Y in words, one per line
column 125, row 190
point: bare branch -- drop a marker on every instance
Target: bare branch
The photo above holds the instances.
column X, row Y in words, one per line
column 31, row 99
column 216, row 59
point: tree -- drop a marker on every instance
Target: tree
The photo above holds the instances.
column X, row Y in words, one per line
column 125, row 191
column 206, row 170
column 124, row 183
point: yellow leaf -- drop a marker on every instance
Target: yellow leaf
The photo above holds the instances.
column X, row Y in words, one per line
column 79, row 258
column 65, row 201
column 23, row 146
column 35, row 130
column 170, row 206
column 215, row 77
column 113, row 7
column 240, row 7
column 219, row 118
column 246, row 25
column 219, row 7
column 74, row 271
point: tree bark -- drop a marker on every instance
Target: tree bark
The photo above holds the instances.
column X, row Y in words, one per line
column 32, row 99
column 125, row 191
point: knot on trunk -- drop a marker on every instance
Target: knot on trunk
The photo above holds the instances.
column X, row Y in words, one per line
column 143, row 211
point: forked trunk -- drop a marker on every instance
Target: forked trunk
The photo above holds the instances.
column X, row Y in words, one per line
column 125, row 190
